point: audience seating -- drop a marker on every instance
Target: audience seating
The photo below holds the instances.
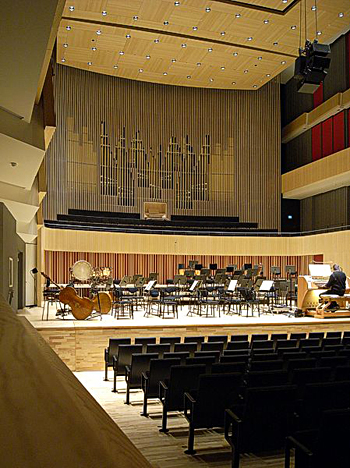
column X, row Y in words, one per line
column 266, row 365
column 133, row 374
column 234, row 345
column 207, row 360
column 182, row 379
column 216, row 354
column 112, row 350
column 170, row 340
column 189, row 347
column 158, row 348
column 145, row 342
column 123, row 358
column 266, row 378
column 213, row 346
column 222, row 338
column 228, row 367
column 182, row 355
column 241, row 337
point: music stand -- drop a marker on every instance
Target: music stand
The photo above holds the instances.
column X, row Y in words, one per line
column 276, row 271
column 246, row 266
column 194, row 285
column 230, row 269
column 150, row 285
column 180, row 280
column 189, row 273
column 232, row 285
column 192, row 264
column 213, row 266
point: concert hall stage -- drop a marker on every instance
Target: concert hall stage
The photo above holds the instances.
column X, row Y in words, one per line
column 80, row 343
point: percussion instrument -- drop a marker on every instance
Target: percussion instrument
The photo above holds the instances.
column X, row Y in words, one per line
column 82, row 270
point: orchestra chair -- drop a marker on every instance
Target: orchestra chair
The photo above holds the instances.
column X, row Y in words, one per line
column 182, row 379
column 262, row 345
column 259, row 337
column 333, row 334
column 297, row 336
column 234, row 358
column 278, row 336
column 159, row 369
column 133, row 374
column 51, row 297
column 123, row 359
column 111, row 351
column 262, row 422
column 325, row 445
column 205, row 407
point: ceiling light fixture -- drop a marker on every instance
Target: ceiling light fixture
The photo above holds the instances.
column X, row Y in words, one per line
column 104, row 13
column 266, row 21
column 140, row 70
column 284, row 1
column 199, row 64
column 128, row 36
column 156, row 41
column 222, row 68
column 208, row 9
column 65, row 45
column 183, row 46
column 89, row 63
column 233, row 82
column 249, row 38
column 173, row 60
column 223, row 33
column 188, row 77
column 195, row 28
column 259, row 58
column 275, row 43
column 71, row 8
column 121, row 53
column 340, row 15
column 166, row 23
column 94, row 49
column 246, row 71
column 314, row 8
column 293, row 27
column 99, row 32
column 176, row 3
column 210, row 49
column 115, row 66
column 63, row 60
column 211, row 79
column 135, row 18
column 268, row 74
column 283, row 62
column 165, row 73
column 237, row 15
column 255, row 86
column 148, row 57
column 319, row 33
column 235, row 54
column 68, row 28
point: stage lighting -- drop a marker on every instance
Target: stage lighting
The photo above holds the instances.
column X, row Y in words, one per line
column 311, row 66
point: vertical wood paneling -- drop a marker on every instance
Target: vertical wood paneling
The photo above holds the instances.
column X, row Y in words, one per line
column 119, row 143
column 57, row 264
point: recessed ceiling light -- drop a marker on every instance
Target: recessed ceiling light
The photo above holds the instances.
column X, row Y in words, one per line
column 246, row 71
column 259, row 58
column 135, row 18
column 183, row 46
column 121, row 53
column 237, row 15
column 319, row 33
column 283, row 62
column 89, row 63
column 293, row 27
column 199, row 64
column 233, row 82
column 188, row 77
column 148, row 57
column 173, row 60
column 255, row 86
column 275, row 43
column 165, row 73
column 71, row 8
column 266, row 21
column 128, row 36
column 314, row 7
column 235, row 54
column 176, row 3
column 284, row 1
column 166, row 23
column 99, row 32
column 223, row 33
column 268, row 74
column 249, row 38
column 222, row 68
column 63, row 60
column 208, row 9
column 13, row 163
column 94, row 49
column 210, row 49
column 211, row 79
column 340, row 15
column 65, row 45
column 104, row 13
column 156, row 41
column 115, row 66
column 195, row 28
column 68, row 28
column 140, row 70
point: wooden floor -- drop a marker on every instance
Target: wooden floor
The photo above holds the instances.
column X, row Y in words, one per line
column 167, row 450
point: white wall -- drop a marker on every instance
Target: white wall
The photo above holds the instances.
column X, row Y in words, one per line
column 30, row 263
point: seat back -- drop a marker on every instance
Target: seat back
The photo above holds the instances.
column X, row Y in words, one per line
column 266, row 365
column 234, row 345
column 170, row 340
column 307, row 342
column 342, row 373
column 267, row 417
column 125, row 352
column 263, row 344
column 266, row 378
column 216, row 354
column 158, row 348
column 239, row 337
column 228, row 367
column 320, row 354
column 279, row 336
column 265, row 357
column 113, row 347
column 206, row 360
column 215, row 393
column 139, row 363
column 284, row 343
column 318, row 335
column 293, row 355
column 222, row 338
column 182, row 379
column 334, row 361
column 332, row 334
column 301, row 377
column 213, row 346
column 297, row 336
column 306, row 363
column 194, row 339
column 159, row 369
column 188, row 347
column 182, row 355
column 259, row 337
column 333, row 340
column 145, row 341
column 232, row 358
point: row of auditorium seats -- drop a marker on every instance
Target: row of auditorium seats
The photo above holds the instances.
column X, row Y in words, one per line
column 253, row 391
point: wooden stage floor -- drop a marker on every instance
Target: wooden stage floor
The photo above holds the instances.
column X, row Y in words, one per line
column 167, row 450
column 80, row 344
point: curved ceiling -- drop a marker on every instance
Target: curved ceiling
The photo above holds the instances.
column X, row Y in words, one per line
column 215, row 44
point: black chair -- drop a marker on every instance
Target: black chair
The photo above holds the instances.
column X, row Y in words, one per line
column 123, row 359
column 187, row 347
column 297, row 336
column 334, row 340
column 266, row 378
column 320, row 354
column 344, row 352
column 205, row 408
column 228, row 367
column 216, row 354
column 346, row 334
column 194, row 339
column 264, row 357
column 308, row 349
column 183, row 355
column 226, row 358
column 279, row 336
column 213, row 346
column 222, row 338
column 159, row 369
column 318, row 335
column 145, row 342
column 294, row 355
column 240, row 337
column 266, row 365
column 346, row 340
column 256, row 351
column 133, row 374
column 112, row 350
column 335, row 347
column 259, row 337
column 171, row 392
column 302, row 377
column 333, row 334
column 208, row 361
column 333, row 362
column 263, row 344
column 308, row 342
column 306, row 363
column 158, row 348
column 234, row 345
column 282, row 351
column 238, row 352
column 327, row 445
column 170, row 340
column 342, row 373
column 284, row 343
column 262, row 422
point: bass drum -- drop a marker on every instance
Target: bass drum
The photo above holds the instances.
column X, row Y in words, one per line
column 82, row 270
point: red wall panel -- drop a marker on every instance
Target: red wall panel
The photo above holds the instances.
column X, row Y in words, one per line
column 327, row 137
column 316, row 142
column 339, row 132
column 318, row 96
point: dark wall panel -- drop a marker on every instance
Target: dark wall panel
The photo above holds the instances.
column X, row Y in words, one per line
column 297, row 152
column 294, row 103
column 337, row 78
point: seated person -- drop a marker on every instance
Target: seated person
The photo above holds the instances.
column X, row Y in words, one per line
column 336, row 285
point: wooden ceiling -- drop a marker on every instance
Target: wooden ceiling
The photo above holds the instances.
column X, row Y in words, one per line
column 234, row 45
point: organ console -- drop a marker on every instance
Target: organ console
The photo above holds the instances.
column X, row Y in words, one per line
column 311, row 286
